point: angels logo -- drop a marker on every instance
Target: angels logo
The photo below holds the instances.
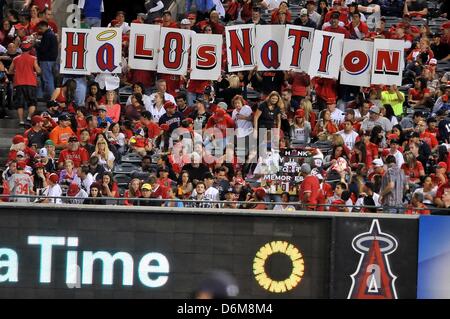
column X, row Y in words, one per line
column 373, row 278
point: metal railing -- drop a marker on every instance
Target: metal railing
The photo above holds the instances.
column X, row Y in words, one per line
column 189, row 203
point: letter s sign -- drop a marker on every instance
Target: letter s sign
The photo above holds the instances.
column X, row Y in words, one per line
column 206, row 57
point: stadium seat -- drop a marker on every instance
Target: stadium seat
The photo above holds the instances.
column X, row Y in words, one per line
column 122, row 180
column 131, row 158
column 125, row 168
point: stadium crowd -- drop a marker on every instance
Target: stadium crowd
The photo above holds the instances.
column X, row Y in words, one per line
column 368, row 148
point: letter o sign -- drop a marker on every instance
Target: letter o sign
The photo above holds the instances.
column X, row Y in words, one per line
column 356, row 62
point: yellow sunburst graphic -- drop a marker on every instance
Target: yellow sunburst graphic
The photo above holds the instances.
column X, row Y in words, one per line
column 298, row 266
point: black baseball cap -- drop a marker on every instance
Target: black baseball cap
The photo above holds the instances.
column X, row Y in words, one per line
column 64, row 117
column 147, row 115
column 418, row 113
column 208, row 176
column 52, row 103
column 414, row 134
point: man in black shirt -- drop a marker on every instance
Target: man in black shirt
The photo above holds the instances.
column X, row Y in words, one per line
column 36, row 135
column 172, row 117
column 256, row 17
column 441, row 50
column 47, row 52
column 196, row 168
column 304, row 20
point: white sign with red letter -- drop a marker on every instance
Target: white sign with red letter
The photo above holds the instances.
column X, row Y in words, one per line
column 206, row 57
column 174, row 53
column 269, row 47
column 297, row 48
column 326, row 59
column 388, row 62
column 74, row 51
column 105, row 50
column 356, row 63
column 144, row 45
column 240, row 47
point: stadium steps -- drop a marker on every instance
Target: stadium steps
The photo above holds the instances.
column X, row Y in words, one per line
column 8, row 128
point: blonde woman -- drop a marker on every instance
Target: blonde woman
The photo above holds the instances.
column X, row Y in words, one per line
column 310, row 115
column 268, row 115
column 157, row 109
column 234, row 88
column 105, row 156
column 112, row 107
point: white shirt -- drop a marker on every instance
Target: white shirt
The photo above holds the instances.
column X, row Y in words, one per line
column 87, row 182
column 211, row 193
column 81, row 196
column 337, row 116
column 398, row 158
column 349, row 139
column 157, row 113
column 272, row 4
column 146, row 99
column 244, row 127
column 125, row 27
column 167, row 97
column 55, row 191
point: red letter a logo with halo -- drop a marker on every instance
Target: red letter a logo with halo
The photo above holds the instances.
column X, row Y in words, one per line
column 373, row 278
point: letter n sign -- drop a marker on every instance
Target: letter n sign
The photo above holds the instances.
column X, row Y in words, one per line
column 388, row 62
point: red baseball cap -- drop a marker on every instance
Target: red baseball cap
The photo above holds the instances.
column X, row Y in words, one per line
column 442, row 165
column 21, row 165
column 36, row 119
column 240, row 181
column 260, row 193
column 73, row 189
column 18, row 139
column 39, row 165
column 169, row 105
column 337, row 2
column 220, row 113
column 300, row 113
column 192, row 16
column 53, row 178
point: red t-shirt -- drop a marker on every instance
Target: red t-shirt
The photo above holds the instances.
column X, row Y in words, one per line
column 325, row 191
column 223, row 124
column 78, row 157
column 197, row 86
column 429, row 138
column 310, row 184
column 299, row 84
column 418, row 95
column 413, row 173
column 42, row 4
column 153, row 130
column 339, row 29
column 24, row 70
column 441, row 190
column 173, row 83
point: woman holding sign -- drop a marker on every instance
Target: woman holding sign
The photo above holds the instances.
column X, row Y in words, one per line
column 268, row 115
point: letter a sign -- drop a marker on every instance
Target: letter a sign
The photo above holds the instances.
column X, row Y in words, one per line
column 269, row 50
column 105, row 50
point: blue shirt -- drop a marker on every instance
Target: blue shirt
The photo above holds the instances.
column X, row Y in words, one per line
column 93, row 8
column 204, row 5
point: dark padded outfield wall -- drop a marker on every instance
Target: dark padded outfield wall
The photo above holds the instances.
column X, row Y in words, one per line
column 375, row 258
column 74, row 253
